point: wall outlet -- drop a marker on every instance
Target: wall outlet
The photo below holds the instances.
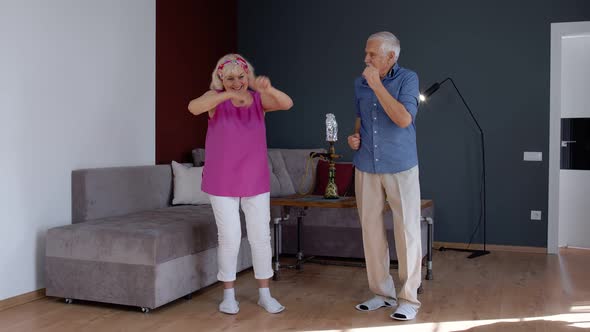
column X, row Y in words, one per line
column 535, row 215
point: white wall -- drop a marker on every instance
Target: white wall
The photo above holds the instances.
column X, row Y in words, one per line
column 77, row 90
column 574, row 185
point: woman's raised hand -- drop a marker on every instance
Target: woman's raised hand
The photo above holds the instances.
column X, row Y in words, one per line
column 261, row 84
column 238, row 99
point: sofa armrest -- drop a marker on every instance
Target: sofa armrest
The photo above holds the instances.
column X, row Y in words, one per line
column 114, row 191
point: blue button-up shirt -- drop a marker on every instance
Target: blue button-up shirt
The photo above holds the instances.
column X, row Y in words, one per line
column 385, row 147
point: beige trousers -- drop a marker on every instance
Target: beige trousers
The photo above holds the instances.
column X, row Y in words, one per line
column 403, row 195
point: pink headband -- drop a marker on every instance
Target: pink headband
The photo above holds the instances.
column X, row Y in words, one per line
column 238, row 61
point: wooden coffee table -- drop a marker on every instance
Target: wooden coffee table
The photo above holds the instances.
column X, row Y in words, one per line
column 303, row 202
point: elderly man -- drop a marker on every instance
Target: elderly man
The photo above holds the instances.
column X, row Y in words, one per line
column 386, row 162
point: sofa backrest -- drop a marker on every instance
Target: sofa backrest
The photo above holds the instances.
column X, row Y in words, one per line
column 114, row 191
column 301, row 170
column 290, row 172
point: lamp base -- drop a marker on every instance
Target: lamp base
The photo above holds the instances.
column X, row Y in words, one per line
column 474, row 252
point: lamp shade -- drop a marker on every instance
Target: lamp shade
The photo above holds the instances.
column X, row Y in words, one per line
column 431, row 90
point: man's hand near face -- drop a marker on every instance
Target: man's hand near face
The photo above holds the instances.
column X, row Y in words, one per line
column 371, row 74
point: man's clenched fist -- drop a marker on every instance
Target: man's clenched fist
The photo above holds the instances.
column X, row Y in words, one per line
column 354, row 141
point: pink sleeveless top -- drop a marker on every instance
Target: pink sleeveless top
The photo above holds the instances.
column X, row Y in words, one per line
column 236, row 158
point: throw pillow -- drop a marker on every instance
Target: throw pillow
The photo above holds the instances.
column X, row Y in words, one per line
column 187, row 185
column 344, row 178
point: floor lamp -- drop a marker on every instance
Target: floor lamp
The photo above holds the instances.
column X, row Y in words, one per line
column 429, row 92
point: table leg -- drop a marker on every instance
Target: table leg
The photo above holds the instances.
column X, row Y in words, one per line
column 276, row 263
column 430, row 243
column 299, row 238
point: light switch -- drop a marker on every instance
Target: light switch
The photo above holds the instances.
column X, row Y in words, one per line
column 533, row 156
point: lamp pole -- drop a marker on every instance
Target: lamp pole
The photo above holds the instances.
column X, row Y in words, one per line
column 474, row 252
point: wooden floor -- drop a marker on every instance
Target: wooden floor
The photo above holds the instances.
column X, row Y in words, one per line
column 500, row 292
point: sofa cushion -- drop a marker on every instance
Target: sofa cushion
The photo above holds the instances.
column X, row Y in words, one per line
column 148, row 238
column 300, row 167
column 281, row 184
column 115, row 191
column 187, row 185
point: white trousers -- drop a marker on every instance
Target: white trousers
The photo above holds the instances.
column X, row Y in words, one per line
column 403, row 195
column 229, row 234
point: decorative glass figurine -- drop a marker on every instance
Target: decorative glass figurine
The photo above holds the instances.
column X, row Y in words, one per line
column 331, row 156
column 331, row 128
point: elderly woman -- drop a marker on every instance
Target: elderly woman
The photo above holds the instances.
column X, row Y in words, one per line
column 236, row 170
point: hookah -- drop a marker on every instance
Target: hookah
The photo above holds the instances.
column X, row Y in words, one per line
column 331, row 156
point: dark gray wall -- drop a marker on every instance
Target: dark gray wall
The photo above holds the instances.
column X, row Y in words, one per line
column 498, row 53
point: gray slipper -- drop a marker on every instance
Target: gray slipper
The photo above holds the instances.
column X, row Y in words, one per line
column 405, row 311
column 376, row 303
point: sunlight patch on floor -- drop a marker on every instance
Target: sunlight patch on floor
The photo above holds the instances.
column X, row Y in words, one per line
column 580, row 308
column 579, row 320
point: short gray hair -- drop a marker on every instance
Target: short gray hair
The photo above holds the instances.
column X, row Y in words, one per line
column 389, row 42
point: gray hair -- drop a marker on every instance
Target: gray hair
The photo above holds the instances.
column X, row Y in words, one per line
column 389, row 42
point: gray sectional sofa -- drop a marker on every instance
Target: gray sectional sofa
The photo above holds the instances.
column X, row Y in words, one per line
column 128, row 245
